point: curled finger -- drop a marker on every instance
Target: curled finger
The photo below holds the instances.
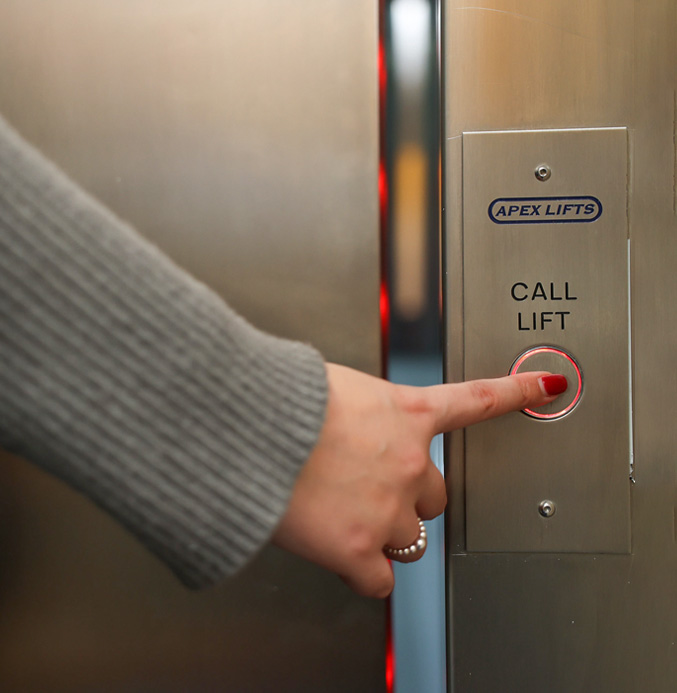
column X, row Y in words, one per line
column 433, row 495
column 371, row 579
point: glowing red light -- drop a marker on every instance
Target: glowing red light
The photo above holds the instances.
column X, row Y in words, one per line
column 384, row 308
column 383, row 190
column 384, row 297
column 390, row 670
column 579, row 380
column 390, row 651
column 382, row 69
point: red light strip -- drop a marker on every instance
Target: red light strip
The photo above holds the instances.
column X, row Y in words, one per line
column 390, row 651
column 384, row 295
column 559, row 352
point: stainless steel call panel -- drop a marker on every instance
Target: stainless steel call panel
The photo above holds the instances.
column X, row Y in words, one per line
column 546, row 287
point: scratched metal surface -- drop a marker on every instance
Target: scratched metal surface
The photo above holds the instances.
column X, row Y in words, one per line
column 525, row 622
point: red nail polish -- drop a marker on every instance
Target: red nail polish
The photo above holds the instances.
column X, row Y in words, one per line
column 554, row 384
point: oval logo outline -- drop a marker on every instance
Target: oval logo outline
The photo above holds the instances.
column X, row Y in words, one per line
column 556, row 209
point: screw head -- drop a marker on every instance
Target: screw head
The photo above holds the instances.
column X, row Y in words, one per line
column 543, row 172
column 547, row 508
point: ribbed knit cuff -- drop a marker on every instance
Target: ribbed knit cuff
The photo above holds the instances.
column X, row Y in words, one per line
column 135, row 384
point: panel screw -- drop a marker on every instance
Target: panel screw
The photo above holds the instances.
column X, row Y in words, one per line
column 547, row 508
column 543, row 172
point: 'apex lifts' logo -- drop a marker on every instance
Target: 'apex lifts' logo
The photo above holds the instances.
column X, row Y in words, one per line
column 545, row 210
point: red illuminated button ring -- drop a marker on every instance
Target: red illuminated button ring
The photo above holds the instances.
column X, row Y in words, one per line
column 554, row 360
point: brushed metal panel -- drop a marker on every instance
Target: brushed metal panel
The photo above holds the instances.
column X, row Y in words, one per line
column 574, row 622
column 545, row 263
column 242, row 138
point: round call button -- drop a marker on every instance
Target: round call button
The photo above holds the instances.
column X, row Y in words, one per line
column 554, row 360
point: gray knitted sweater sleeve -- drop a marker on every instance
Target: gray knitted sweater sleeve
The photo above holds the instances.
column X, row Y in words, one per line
column 135, row 384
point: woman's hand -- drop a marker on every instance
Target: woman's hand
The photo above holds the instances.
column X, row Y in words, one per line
column 370, row 475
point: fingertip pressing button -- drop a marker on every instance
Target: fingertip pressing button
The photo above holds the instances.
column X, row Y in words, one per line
column 554, row 384
column 557, row 361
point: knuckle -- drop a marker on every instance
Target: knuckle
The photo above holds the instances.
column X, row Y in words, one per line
column 414, row 463
column 526, row 392
column 376, row 587
column 378, row 582
column 409, row 399
column 440, row 501
column 486, row 397
column 382, row 589
column 414, row 401
column 390, row 511
column 434, row 503
column 361, row 543
column 369, row 574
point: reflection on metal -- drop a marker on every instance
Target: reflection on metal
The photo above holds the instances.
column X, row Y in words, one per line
column 412, row 149
column 242, row 137
column 409, row 244
column 572, row 622
column 543, row 172
column 547, row 508
column 412, row 128
column 411, row 48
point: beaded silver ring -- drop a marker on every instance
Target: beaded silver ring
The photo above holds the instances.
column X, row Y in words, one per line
column 410, row 553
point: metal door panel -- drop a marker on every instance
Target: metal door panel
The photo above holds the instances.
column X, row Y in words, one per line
column 241, row 137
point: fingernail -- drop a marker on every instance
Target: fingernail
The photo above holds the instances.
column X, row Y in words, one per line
column 554, row 384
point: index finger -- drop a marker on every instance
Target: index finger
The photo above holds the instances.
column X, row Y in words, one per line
column 458, row 405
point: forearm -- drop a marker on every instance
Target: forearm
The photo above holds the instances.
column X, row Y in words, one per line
column 137, row 385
